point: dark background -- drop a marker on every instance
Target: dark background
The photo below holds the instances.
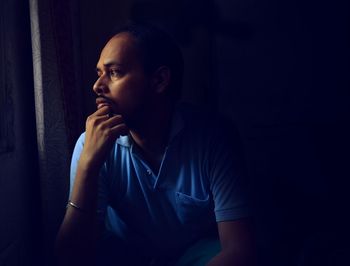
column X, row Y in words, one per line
column 279, row 69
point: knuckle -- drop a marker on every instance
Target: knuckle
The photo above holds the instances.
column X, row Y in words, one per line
column 107, row 132
column 93, row 121
column 90, row 120
column 100, row 127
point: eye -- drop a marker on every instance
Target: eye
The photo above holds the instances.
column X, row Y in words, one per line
column 115, row 73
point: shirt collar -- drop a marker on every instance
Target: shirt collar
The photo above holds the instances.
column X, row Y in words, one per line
column 124, row 141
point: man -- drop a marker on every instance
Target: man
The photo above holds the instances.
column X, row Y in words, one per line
column 152, row 182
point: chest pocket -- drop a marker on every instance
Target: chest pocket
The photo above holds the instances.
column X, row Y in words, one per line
column 191, row 210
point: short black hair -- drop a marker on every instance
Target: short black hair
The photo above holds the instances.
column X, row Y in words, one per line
column 157, row 49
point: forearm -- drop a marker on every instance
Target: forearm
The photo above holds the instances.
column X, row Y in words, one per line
column 76, row 242
column 76, row 239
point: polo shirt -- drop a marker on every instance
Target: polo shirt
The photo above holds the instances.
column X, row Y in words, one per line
column 200, row 182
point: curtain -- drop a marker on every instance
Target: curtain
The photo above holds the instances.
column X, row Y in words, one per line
column 58, row 108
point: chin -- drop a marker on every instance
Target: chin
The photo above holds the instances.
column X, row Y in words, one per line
column 132, row 122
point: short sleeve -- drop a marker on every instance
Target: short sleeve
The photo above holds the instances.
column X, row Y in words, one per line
column 228, row 179
column 74, row 161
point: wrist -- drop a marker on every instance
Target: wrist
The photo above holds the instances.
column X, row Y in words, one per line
column 88, row 165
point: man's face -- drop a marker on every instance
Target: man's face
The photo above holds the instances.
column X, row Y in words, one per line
column 121, row 78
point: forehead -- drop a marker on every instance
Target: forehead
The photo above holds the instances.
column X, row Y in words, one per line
column 121, row 49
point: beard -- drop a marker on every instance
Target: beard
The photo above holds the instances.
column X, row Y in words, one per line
column 136, row 117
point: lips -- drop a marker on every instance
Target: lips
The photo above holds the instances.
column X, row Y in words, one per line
column 102, row 101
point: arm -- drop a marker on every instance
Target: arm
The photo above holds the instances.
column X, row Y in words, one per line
column 237, row 242
column 77, row 237
column 231, row 194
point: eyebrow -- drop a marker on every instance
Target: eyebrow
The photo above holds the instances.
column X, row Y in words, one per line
column 109, row 64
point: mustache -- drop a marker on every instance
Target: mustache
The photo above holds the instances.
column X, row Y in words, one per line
column 108, row 100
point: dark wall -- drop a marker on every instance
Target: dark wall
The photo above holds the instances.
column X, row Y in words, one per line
column 287, row 86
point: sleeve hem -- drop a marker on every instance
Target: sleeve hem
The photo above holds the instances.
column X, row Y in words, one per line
column 231, row 214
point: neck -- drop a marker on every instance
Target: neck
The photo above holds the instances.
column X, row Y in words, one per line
column 152, row 133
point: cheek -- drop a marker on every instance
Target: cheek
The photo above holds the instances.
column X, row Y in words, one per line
column 131, row 92
column 137, row 86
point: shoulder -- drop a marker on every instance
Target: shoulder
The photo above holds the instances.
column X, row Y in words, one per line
column 81, row 139
column 79, row 145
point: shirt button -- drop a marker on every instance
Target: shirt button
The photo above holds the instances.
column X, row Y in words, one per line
column 149, row 171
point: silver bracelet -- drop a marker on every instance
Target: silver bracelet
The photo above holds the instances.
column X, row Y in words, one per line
column 74, row 206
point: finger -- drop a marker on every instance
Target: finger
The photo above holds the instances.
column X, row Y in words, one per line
column 105, row 110
column 106, row 122
column 114, row 119
column 120, row 130
column 110, row 115
column 94, row 120
column 100, row 115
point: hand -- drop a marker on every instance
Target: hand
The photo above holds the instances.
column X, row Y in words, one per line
column 101, row 132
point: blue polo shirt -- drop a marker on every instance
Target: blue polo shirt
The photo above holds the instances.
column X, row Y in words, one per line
column 199, row 183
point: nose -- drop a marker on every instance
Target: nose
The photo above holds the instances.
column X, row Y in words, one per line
column 100, row 86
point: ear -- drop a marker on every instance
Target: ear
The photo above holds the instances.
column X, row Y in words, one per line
column 161, row 79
